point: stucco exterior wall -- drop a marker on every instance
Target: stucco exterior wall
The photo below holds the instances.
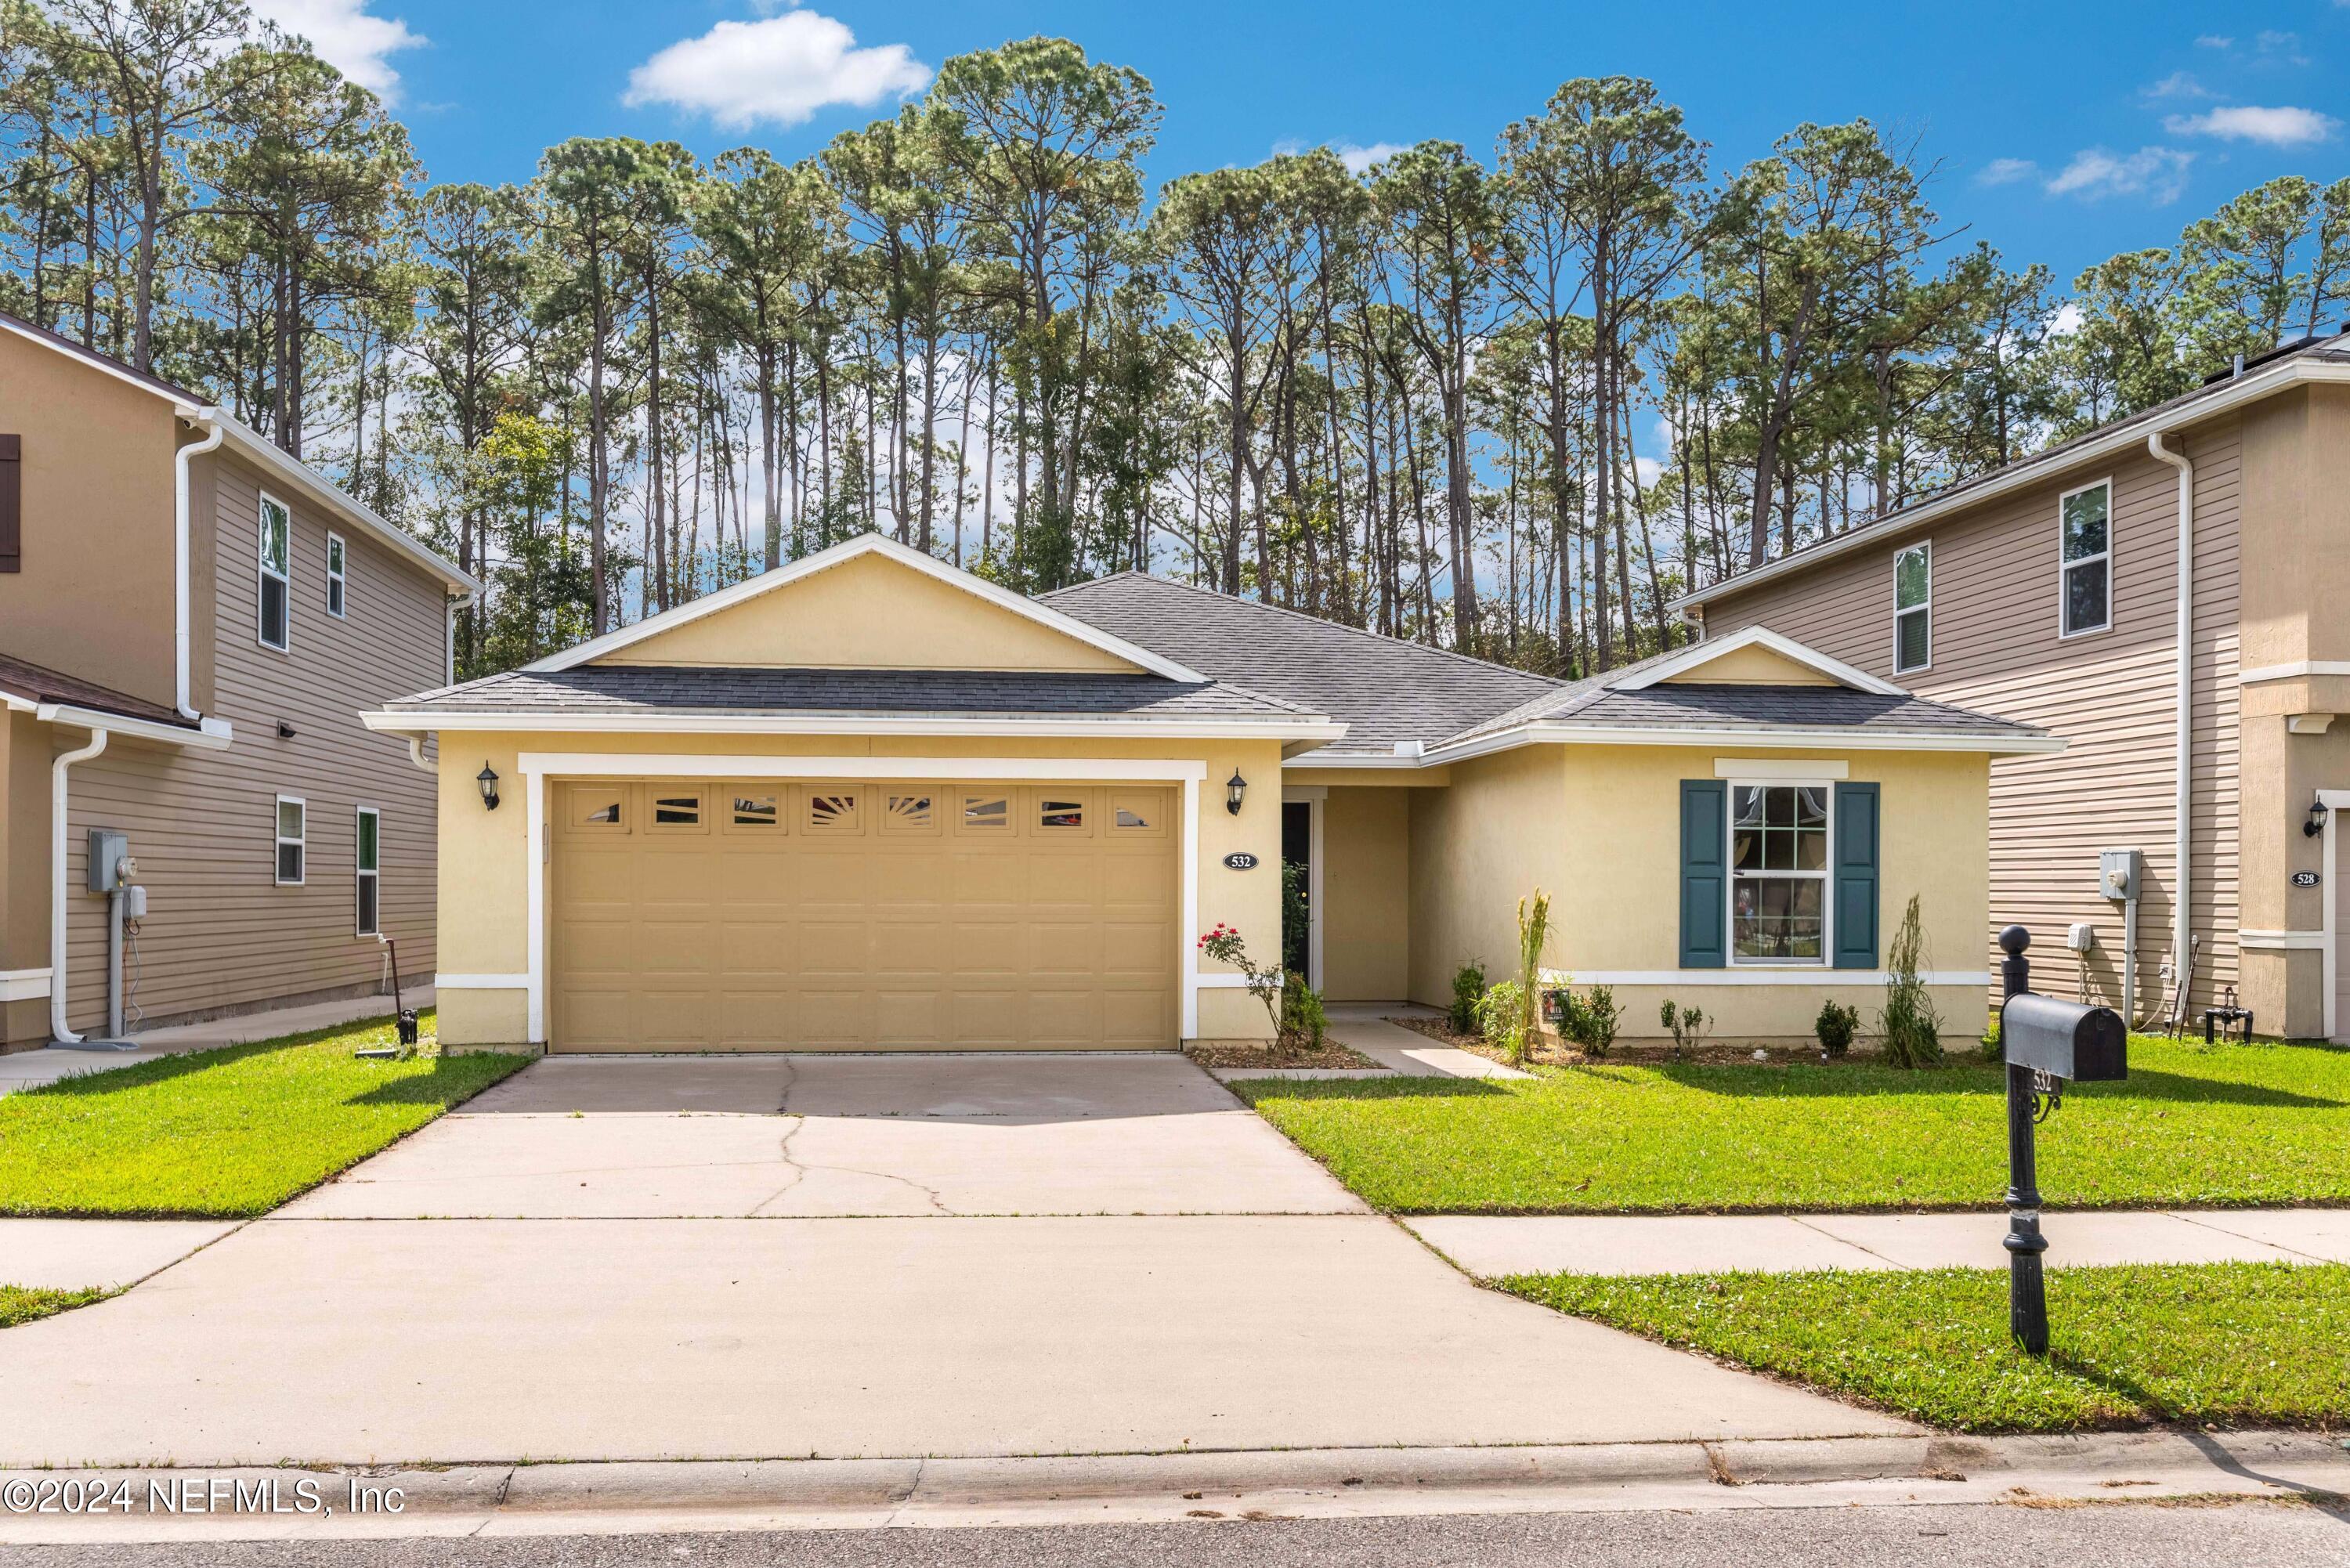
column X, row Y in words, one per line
column 484, row 878
column 1366, row 894
column 869, row 613
column 1598, row 827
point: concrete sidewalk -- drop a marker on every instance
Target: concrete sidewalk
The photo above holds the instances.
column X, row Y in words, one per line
column 1490, row 1246
column 1365, row 1027
column 25, row 1069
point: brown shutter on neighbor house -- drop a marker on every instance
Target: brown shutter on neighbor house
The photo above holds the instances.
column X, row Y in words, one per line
column 12, row 504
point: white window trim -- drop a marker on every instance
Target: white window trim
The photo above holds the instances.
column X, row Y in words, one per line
column 2064, row 567
column 1925, row 609
column 361, row 873
column 262, row 573
column 342, row 579
column 1825, row 875
column 279, row 841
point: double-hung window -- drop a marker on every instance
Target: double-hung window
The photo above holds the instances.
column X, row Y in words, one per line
column 338, row 590
column 1778, row 873
column 370, row 870
column 1913, row 609
column 277, row 604
column 2085, row 587
column 293, row 841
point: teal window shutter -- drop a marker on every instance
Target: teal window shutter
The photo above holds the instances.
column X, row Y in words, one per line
column 1705, row 871
column 1855, row 875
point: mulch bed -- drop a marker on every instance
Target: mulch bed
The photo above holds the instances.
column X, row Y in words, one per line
column 1330, row 1053
column 1550, row 1053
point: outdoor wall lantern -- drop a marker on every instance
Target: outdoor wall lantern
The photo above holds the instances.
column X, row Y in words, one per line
column 2316, row 823
column 488, row 779
column 1233, row 791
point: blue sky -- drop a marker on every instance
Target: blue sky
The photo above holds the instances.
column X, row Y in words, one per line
column 2062, row 131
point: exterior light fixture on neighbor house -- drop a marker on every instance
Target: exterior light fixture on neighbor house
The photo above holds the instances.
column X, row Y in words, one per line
column 488, row 779
column 2316, row 823
column 1234, row 790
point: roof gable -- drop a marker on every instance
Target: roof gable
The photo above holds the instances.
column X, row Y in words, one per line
column 1753, row 657
column 868, row 604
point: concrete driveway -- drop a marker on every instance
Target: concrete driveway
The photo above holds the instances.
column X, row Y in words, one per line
column 839, row 1257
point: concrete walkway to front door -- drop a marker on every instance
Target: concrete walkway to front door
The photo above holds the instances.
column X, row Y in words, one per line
column 840, row 1256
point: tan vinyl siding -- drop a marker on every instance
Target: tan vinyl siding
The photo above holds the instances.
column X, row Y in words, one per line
column 220, row 934
column 2110, row 694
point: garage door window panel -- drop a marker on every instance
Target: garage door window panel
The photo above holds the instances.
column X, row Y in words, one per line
column 985, row 814
column 754, row 811
column 838, row 812
column 676, row 811
column 910, row 816
column 597, row 808
column 1138, row 817
column 1062, row 814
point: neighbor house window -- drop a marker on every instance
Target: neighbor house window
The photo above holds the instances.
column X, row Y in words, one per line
column 336, row 587
column 370, row 870
column 293, row 840
column 1913, row 609
column 277, row 605
column 1778, row 873
column 2086, row 568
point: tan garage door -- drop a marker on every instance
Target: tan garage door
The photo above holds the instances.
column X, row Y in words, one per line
column 708, row 916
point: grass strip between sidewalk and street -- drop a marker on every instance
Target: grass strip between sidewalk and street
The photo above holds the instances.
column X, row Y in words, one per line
column 2225, row 1345
column 23, row 1304
column 2193, row 1125
column 223, row 1133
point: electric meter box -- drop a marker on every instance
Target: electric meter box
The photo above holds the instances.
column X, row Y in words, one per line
column 108, row 848
column 2118, row 872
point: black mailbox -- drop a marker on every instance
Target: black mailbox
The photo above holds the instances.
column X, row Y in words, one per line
column 2063, row 1039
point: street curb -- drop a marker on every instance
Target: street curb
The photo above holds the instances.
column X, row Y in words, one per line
column 623, row 1496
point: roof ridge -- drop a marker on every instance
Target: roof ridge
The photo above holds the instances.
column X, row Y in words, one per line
column 1325, row 621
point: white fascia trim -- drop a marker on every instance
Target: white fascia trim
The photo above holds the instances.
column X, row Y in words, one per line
column 1356, row 760
column 2292, row 672
column 211, row 736
column 2281, row 942
column 850, row 724
column 482, row 982
column 1567, row 732
column 656, row 764
column 850, row 550
column 23, row 984
column 1814, row 975
column 2248, row 389
column 1700, row 654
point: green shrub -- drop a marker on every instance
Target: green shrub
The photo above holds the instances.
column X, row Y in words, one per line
column 1500, row 1017
column 1836, row 1026
column 1303, row 1020
column 1467, row 990
column 1687, row 1024
column 1911, row 1027
column 1296, row 921
column 1590, row 1020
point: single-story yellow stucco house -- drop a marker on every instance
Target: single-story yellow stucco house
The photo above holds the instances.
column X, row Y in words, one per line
column 869, row 801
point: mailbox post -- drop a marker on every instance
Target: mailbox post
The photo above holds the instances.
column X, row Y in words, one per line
column 2046, row 1043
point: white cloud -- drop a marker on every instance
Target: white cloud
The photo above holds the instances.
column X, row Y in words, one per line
column 2280, row 48
column 342, row 33
column 1358, row 160
column 780, row 70
column 2094, row 172
column 2066, row 321
column 2006, row 171
column 2281, row 127
column 2177, row 84
column 2215, row 41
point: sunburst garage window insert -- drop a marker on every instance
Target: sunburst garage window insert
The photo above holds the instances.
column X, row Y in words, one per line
column 1778, row 873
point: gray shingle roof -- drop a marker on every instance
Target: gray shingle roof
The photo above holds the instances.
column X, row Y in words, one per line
column 613, row 689
column 1383, row 689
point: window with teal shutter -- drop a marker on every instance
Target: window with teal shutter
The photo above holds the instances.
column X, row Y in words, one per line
column 1705, row 836
column 1856, row 839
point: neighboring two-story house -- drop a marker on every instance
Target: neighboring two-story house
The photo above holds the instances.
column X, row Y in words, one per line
column 2202, row 724
column 191, row 622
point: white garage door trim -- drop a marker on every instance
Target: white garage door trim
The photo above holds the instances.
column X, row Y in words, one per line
column 537, row 767
column 2336, row 801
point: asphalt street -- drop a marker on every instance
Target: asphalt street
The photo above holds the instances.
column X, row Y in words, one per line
column 2271, row 1535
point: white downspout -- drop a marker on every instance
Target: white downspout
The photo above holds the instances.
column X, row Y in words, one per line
column 2183, row 899
column 58, row 1030
column 183, row 530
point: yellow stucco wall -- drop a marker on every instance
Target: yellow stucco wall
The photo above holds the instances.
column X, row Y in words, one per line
column 1751, row 666
column 484, row 875
column 869, row 613
column 1366, row 894
column 1599, row 828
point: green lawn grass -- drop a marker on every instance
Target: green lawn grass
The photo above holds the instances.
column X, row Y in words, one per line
column 2193, row 1125
column 23, row 1304
column 226, row 1133
column 2233, row 1344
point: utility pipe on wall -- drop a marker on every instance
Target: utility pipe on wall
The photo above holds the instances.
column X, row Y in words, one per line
column 184, row 553
column 2183, row 894
column 65, row 759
